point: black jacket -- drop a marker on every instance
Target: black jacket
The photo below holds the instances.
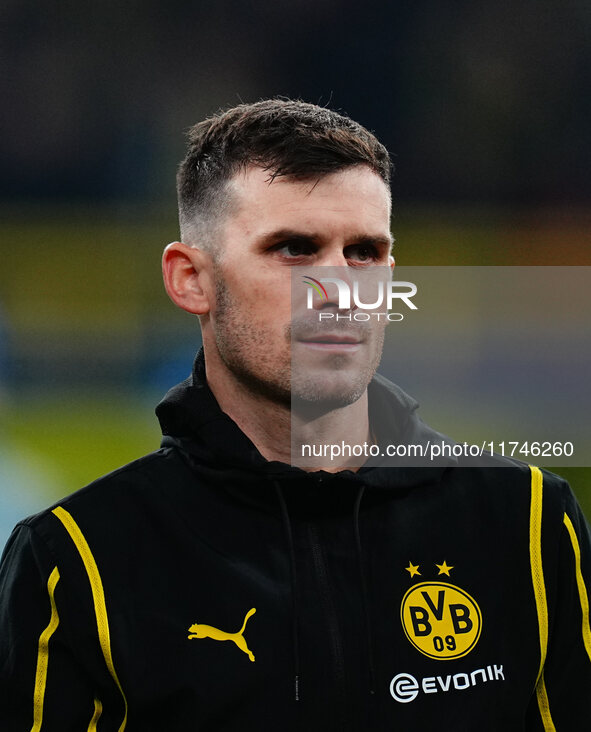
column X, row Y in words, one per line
column 443, row 598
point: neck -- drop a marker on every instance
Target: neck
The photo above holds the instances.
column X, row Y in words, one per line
column 320, row 438
column 288, row 435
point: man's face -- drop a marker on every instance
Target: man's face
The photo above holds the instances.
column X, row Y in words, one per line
column 341, row 220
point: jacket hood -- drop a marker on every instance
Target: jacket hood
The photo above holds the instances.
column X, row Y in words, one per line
column 191, row 419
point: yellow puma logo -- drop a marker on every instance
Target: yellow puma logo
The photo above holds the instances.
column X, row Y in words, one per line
column 207, row 631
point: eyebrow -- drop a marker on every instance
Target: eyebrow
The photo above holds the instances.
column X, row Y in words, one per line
column 273, row 237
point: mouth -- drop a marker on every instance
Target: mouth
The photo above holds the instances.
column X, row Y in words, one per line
column 332, row 341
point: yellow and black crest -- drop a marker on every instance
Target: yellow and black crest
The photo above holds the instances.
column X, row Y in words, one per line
column 441, row 620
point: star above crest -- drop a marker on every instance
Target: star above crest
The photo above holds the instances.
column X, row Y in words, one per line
column 413, row 569
column 444, row 568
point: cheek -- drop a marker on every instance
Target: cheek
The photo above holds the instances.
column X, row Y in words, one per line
column 275, row 312
column 263, row 305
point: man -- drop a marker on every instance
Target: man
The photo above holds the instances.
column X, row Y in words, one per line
column 212, row 585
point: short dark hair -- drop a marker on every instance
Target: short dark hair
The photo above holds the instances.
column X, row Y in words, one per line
column 286, row 137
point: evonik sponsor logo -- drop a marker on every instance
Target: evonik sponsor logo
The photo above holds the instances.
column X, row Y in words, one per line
column 349, row 298
column 405, row 688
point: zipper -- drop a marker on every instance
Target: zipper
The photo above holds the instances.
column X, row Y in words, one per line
column 334, row 632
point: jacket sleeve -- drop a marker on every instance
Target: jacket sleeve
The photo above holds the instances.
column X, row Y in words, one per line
column 564, row 689
column 44, row 685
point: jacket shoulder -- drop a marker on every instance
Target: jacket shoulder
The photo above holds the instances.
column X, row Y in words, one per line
column 118, row 488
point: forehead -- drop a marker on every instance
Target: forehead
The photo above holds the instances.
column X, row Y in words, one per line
column 355, row 196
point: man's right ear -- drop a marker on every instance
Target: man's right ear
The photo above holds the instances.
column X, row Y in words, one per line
column 187, row 277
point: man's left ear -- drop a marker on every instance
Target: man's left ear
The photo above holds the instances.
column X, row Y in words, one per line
column 391, row 261
column 186, row 277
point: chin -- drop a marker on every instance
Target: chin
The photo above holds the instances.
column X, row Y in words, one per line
column 326, row 396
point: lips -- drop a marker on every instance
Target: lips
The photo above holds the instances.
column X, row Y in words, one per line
column 331, row 338
column 345, row 334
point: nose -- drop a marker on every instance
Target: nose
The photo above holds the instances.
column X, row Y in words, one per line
column 332, row 268
column 337, row 286
column 335, row 257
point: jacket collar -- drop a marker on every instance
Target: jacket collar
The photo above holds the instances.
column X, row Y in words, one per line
column 192, row 420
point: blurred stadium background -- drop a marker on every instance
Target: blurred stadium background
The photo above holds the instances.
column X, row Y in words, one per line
column 485, row 107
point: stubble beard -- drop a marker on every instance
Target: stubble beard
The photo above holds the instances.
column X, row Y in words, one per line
column 242, row 347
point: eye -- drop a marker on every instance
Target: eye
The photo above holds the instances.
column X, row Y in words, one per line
column 295, row 248
column 362, row 253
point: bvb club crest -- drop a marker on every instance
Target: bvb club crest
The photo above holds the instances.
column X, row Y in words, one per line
column 441, row 620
